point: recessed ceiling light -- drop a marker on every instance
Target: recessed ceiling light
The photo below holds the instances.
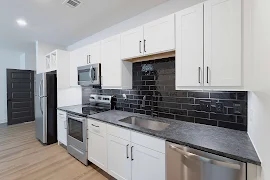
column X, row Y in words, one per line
column 21, row 22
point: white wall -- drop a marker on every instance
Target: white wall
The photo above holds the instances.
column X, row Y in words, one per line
column 259, row 98
column 8, row 60
column 69, row 97
column 159, row 11
column 22, row 61
column 30, row 57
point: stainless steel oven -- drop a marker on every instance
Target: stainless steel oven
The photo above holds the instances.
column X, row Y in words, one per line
column 89, row 75
column 77, row 138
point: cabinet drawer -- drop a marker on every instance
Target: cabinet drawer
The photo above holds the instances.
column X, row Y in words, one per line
column 97, row 127
column 61, row 114
column 119, row 132
column 148, row 141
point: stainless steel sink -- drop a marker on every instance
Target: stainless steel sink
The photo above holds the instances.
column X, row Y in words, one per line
column 145, row 123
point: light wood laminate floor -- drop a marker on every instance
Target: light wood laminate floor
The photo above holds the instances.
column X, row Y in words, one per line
column 22, row 157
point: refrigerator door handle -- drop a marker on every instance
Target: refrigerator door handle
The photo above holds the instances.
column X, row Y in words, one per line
column 40, row 105
column 39, row 89
column 206, row 160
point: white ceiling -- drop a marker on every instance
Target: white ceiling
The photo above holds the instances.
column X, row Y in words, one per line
column 53, row 22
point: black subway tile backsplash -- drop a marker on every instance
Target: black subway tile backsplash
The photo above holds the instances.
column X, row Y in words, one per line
column 156, row 80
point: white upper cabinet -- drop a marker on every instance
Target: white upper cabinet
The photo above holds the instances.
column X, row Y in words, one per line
column 74, row 55
column 152, row 38
column 62, row 59
column 159, row 36
column 208, row 45
column 78, row 57
column 189, row 47
column 132, row 43
column 115, row 72
column 53, row 61
column 222, row 43
column 83, row 56
column 95, row 53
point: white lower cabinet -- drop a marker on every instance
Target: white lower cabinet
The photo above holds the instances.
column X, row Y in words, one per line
column 62, row 127
column 125, row 154
column 97, row 143
column 128, row 159
column 119, row 160
column 147, row 164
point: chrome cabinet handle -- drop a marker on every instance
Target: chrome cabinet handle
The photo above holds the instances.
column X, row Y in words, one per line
column 140, row 46
column 132, row 153
column 127, row 151
column 199, row 78
column 95, row 125
column 189, row 155
column 144, row 45
column 207, row 75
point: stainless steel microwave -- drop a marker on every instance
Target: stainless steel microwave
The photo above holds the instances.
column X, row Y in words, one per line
column 89, row 75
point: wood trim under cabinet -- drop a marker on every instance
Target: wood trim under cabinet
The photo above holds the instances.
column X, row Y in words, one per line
column 152, row 57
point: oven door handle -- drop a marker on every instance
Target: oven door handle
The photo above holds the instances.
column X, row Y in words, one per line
column 189, row 155
column 77, row 118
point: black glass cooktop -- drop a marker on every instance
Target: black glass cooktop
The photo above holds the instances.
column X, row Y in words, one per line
column 89, row 110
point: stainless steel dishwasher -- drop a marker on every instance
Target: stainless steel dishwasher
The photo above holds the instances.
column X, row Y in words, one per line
column 184, row 163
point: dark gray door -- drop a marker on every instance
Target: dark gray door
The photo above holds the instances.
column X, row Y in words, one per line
column 20, row 96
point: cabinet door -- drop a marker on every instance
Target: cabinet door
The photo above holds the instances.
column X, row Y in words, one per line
column 74, row 56
column 53, row 62
column 189, row 47
column 83, row 56
column 119, row 163
column 111, row 67
column 222, row 43
column 48, row 63
column 159, row 36
column 95, row 53
column 63, row 69
column 62, row 127
column 97, row 150
column 132, row 43
column 147, row 164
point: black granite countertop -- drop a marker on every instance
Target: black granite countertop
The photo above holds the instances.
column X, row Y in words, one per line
column 76, row 109
column 220, row 141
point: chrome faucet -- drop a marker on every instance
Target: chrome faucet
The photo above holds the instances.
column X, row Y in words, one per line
column 152, row 105
column 143, row 101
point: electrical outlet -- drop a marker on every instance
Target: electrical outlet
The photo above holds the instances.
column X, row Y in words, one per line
column 219, row 107
column 237, row 108
column 205, row 106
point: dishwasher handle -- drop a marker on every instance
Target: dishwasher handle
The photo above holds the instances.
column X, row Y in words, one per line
column 189, row 155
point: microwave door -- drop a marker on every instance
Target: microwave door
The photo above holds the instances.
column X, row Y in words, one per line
column 89, row 75
column 84, row 77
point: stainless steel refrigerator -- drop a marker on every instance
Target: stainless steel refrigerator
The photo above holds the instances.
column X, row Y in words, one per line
column 45, row 107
